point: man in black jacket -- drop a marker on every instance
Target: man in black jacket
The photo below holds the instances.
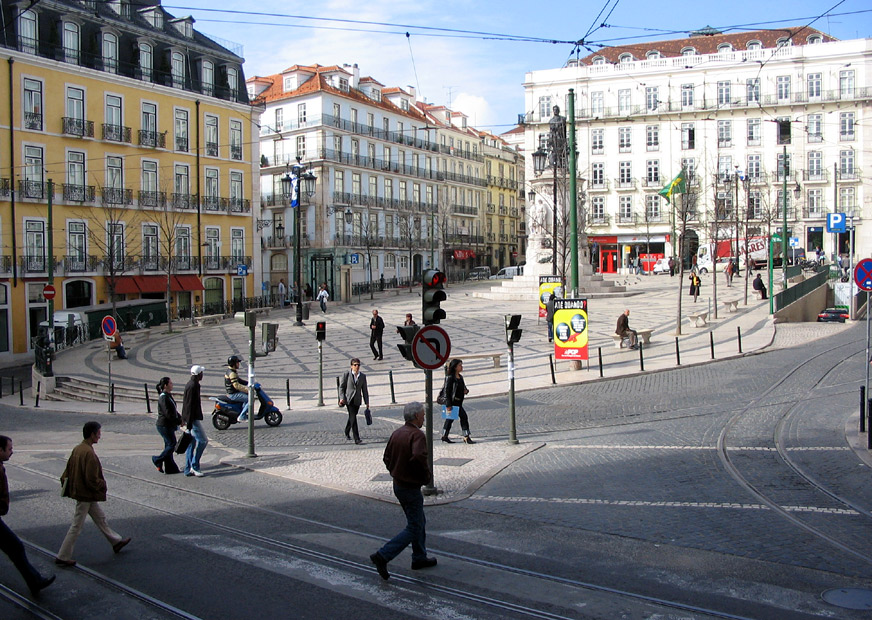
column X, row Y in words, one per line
column 376, row 329
column 192, row 418
column 10, row 544
column 623, row 329
column 406, row 458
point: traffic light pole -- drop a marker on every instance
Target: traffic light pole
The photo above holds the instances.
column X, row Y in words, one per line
column 513, row 437
column 429, row 488
column 320, row 374
column 252, row 356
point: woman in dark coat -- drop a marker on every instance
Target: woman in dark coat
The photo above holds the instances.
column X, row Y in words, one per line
column 695, row 285
column 455, row 390
column 168, row 420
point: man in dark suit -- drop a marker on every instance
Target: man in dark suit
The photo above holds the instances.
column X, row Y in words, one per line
column 376, row 330
column 353, row 392
column 623, row 329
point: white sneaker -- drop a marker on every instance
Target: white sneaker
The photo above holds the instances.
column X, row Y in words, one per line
column 197, row 473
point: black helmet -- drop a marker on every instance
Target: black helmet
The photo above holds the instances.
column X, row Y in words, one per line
column 233, row 360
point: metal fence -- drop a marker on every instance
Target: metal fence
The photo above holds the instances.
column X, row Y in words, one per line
column 799, row 290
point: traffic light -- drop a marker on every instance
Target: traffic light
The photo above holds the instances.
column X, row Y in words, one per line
column 321, row 330
column 433, row 294
column 407, row 333
column 513, row 334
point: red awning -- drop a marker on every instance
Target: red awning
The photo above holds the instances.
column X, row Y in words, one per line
column 133, row 285
column 463, row 254
column 152, row 284
column 188, row 283
column 126, row 285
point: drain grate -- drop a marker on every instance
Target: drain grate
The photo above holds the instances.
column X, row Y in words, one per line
column 451, row 462
column 849, row 598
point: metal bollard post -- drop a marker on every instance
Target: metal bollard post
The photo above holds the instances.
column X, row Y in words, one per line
column 641, row 358
column 147, row 399
column 600, row 355
column 1, row 386
column 111, row 398
column 13, row 385
column 553, row 378
column 862, row 409
column 288, row 391
column 868, row 435
column 20, row 391
column 677, row 353
column 38, row 387
column 391, row 377
column 712, row 342
column 739, row 330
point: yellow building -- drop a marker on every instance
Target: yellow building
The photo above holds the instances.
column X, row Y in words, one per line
column 126, row 162
column 503, row 215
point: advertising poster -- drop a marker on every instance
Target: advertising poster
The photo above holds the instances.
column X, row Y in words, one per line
column 548, row 285
column 570, row 329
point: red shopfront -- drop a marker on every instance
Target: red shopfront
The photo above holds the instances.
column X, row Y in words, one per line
column 604, row 253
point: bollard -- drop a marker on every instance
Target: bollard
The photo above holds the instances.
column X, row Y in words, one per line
column 147, row 399
column 1, row 386
column 391, row 377
column 111, row 398
column 38, row 386
column 288, row 391
column 20, row 391
column 862, row 409
column 641, row 357
column 600, row 355
column 712, row 342
column 677, row 353
column 739, row 330
column 868, row 435
column 13, row 385
column 553, row 378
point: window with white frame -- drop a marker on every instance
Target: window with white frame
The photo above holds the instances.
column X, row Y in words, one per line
column 846, row 164
column 33, row 110
column 624, row 143
column 782, row 88
column 34, row 245
column 77, row 245
column 846, row 83
column 725, row 168
column 624, row 101
column 597, row 103
column 597, row 143
column 814, row 200
column 626, row 57
column 725, row 134
column 355, row 183
column 598, row 175
column 754, row 45
column 181, row 182
column 652, row 208
column 115, row 243
column 150, row 246
column 75, row 123
column 279, row 119
column 688, row 51
column 755, row 131
column 847, row 199
column 689, row 166
column 373, row 186
column 754, row 171
column 237, row 244
column 148, row 135
column 149, row 180
column 687, row 95
column 688, row 136
column 652, row 171
column 598, row 208
column 237, row 195
column 814, row 127
column 815, row 166
column 338, row 180
column 211, row 123
column 545, row 107
column 211, row 193
column 813, row 82
column 625, row 173
column 784, row 166
column 183, row 247
column 724, row 93
column 755, row 205
column 75, row 189
column 72, row 47
column 846, row 126
column 752, row 86
column 301, row 147
column 652, row 98
column 115, row 175
column 181, row 130
column 625, row 209
column 146, row 61
column 724, row 206
column 652, row 137
column 110, row 52
column 301, row 114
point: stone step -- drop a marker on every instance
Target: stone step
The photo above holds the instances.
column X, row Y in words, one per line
column 75, row 388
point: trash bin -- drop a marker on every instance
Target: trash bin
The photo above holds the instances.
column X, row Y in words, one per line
column 306, row 310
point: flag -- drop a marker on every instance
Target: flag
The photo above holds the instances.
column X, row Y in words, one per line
column 678, row 185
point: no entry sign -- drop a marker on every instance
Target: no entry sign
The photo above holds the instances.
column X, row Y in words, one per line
column 49, row 291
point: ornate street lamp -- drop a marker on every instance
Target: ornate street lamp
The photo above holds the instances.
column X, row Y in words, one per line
column 295, row 176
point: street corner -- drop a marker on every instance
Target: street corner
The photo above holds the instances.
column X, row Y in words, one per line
column 261, row 463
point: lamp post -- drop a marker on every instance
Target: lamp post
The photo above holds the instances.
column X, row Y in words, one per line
column 556, row 156
column 295, row 175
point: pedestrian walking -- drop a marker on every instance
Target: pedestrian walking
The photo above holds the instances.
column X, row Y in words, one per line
column 455, row 391
column 671, row 266
column 352, row 393
column 549, row 315
column 728, row 272
column 283, row 292
column 695, row 284
column 10, row 544
column 83, row 481
column 409, row 320
column 623, row 329
column 376, row 331
column 405, row 457
column 322, row 298
column 192, row 418
column 168, row 421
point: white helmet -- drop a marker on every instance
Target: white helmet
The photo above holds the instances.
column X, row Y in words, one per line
column 196, row 369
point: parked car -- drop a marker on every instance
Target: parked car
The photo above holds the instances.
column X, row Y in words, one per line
column 480, row 273
column 833, row 315
column 508, row 272
column 661, row 266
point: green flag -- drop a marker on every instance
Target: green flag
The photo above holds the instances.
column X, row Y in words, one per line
column 678, row 185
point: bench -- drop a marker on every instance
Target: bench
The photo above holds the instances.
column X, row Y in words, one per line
column 643, row 334
column 206, row 319
column 758, row 294
column 732, row 305
column 496, row 357
column 264, row 310
column 698, row 318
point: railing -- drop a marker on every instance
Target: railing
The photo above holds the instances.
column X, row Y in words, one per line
column 117, row 133
column 625, row 183
column 236, row 151
column 152, row 199
column 464, row 210
column 33, row 120
column 652, row 182
column 627, row 218
column 811, row 176
column 156, row 139
column 212, row 149
column 601, row 185
column 78, row 127
column 5, row 187
column 799, row 290
column 491, row 208
column 79, row 263
column 239, row 205
column 117, row 196
column 32, row 189
column 182, row 144
column 78, row 193
column 183, row 201
column 600, row 220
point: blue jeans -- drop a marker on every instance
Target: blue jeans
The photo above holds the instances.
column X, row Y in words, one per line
column 240, row 397
column 412, row 502
column 195, row 450
column 169, row 437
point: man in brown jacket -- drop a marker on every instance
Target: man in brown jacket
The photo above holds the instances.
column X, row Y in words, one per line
column 9, row 542
column 406, row 458
column 83, row 481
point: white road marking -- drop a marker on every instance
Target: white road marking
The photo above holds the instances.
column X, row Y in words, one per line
column 659, row 447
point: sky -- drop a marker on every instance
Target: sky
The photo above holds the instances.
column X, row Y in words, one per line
column 476, row 72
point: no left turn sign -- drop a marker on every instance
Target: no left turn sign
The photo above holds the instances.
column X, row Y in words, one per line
column 431, row 347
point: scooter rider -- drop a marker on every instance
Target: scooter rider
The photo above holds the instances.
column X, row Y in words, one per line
column 236, row 388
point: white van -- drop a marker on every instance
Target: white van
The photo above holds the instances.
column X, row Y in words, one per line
column 508, row 272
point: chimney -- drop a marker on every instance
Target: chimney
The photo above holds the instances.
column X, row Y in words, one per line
column 413, row 93
column 355, row 76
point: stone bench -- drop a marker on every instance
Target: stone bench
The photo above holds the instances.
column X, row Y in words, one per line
column 732, row 305
column 698, row 318
column 496, row 357
column 643, row 334
column 208, row 319
column 758, row 294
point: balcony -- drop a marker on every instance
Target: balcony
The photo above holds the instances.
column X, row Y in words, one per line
column 599, row 185
column 152, row 199
column 504, row 238
column 236, row 152
column 78, row 127
column 182, row 144
column 464, row 210
column 278, row 241
column 816, row 176
column 79, row 263
column 652, row 182
column 653, row 218
column 275, row 200
column 817, row 212
column 36, row 190
column 183, row 201
column 239, row 205
column 627, row 218
column 601, row 219
column 78, row 193
column 491, row 237
column 5, row 264
column 625, row 184
column 117, row 196
column 491, row 209
column 214, row 203
column 504, row 210
column 117, row 133
column 211, row 149
column 33, row 120
column 152, row 138
column 849, row 175
column 31, row 263
column 5, row 187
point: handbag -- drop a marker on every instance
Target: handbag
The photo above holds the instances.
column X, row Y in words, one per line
column 441, row 399
column 455, row 413
column 184, row 441
column 367, row 414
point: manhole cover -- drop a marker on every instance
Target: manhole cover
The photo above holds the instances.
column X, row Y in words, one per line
column 849, row 598
column 451, row 462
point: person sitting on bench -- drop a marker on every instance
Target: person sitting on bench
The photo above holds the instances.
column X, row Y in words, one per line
column 623, row 329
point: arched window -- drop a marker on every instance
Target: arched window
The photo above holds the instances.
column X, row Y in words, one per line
column 783, row 42
column 814, row 39
column 599, row 60
column 71, row 42
column 110, row 52
column 146, row 61
column 652, row 55
column 688, row 51
column 754, row 45
column 178, row 69
column 627, row 57
column 27, row 37
column 725, row 47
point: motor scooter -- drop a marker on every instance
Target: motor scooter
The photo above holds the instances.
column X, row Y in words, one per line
column 226, row 412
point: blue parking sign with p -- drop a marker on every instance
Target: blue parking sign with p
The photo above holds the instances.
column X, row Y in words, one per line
column 836, row 222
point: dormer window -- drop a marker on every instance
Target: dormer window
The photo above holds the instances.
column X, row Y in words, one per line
column 783, row 42
column 207, row 77
column 343, row 84
column 754, row 45
column 290, row 83
column 625, row 58
column 375, row 94
column 652, row 55
column 153, row 16
column 599, row 60
column 233, row 82
column 27, row 32
column 404, row 104
column 814, row 39
column 688, row 51
column 184, row 26
column 725, row 47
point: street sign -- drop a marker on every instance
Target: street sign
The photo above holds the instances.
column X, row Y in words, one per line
column 109, row 327
column 570, row 329
column 431, row 347
column 242, row 270
column 49, row 291
column 863, row 274
column 836, row 222
column 793, row 242
column 355, row 259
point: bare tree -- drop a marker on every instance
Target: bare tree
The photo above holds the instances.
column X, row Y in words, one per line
column 684, row 208
column 370, row 240
column 409, row 229
column 168, row 222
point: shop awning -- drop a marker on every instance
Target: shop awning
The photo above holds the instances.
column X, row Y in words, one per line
column 133, row 285
column 188, row 283
column 126, row 285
